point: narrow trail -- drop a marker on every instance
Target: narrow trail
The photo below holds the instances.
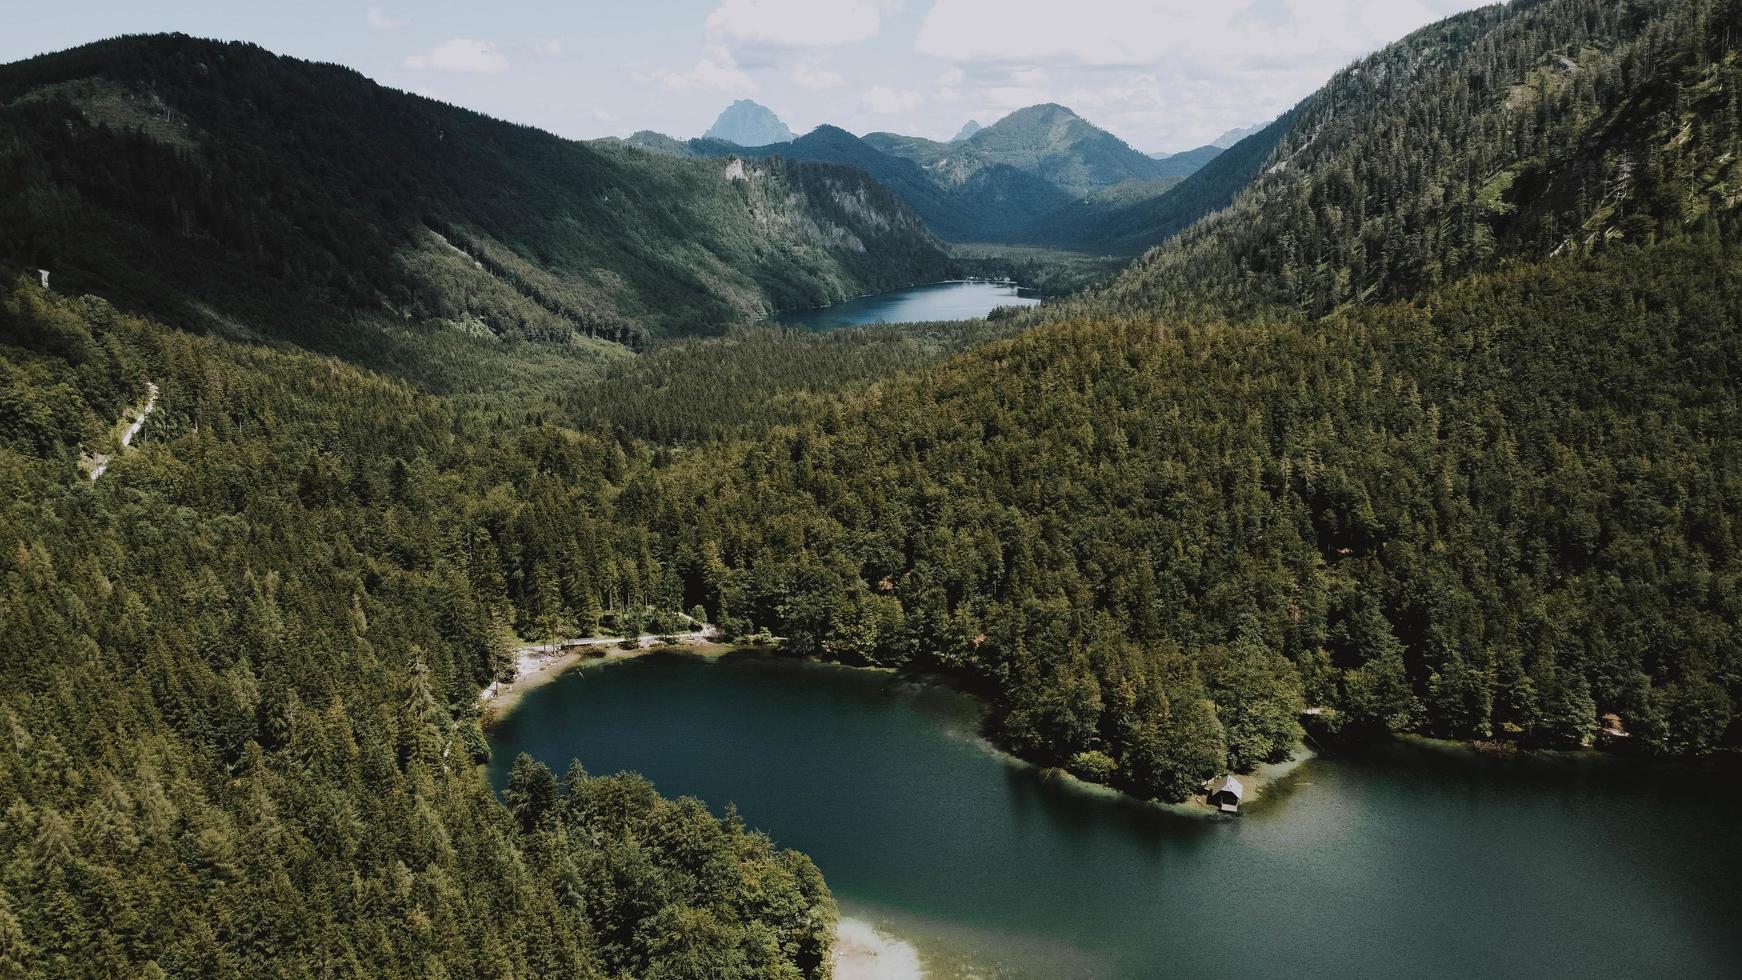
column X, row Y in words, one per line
column 102, row 459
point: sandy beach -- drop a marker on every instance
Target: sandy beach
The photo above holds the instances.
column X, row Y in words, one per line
column 539, row 664
column 863, row 953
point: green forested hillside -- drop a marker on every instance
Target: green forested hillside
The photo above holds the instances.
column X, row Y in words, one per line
column 1505, row 133
column 1187, row 162
column 219, row 183
column 713, row 389
column 1012, row 181
column 1047, row 141
column 1434, row 427
column 1129, row 224
column 1491, row 514
column 239, row 674
column 1492, row 511
column 988, row 205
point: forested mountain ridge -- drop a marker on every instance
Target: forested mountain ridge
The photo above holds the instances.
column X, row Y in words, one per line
column 1036, row 170
column 1188, row 162
column 1488, row 498
column 1048, row 141
column 990, row 205
column 1492, row 514
column 239, row 677
column 166, row 171
column 1130, row 225
column 1499, row 134
column 1492, row 509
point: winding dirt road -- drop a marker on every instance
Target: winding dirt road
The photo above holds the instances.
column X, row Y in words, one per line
column 102, row 460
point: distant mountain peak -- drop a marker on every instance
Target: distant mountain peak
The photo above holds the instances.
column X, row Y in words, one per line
column 1044, row 111
column 968, row 129
column 1048, row 142
column 748, row 123
column 1232, row 136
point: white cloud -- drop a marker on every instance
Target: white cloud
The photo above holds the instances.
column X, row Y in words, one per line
column 379, row 20
column 603, row 116
column 1149, row 32
column 886, row 101
column 1164, row 74
column 717, row 71
column 1003, row 98
column 817, row 79
column 795, row 23
column 551, row 48
column 461, row 54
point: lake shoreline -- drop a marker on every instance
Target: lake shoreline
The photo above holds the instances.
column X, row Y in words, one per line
column 917, row 822
column 862, row 951
column 943, row 301
column 541, row 665
column 772, row 317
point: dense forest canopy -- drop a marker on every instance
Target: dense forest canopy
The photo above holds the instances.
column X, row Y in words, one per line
column 1430, row 423
column 241, row 673
column 1492, row 514
column 1509, row 132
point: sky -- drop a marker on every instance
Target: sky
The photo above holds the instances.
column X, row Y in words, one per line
column 1164, row 75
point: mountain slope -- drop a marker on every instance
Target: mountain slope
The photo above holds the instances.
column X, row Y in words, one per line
column 1232, row 136
column 239, row 680
column 1187, row 162
column 1048, row 141
column 748, row 123
column 1129, row 224
column 220, row 184
column 1499, row 134
column 1495, row 513
column 996, row 184
column 653, row 142
column 831, row 144
column 1489, row 508
column 990, row 205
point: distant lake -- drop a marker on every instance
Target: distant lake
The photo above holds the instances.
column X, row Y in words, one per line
column 919, row 304
column 1409, row 862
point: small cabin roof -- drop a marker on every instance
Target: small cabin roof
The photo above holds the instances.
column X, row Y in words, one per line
column 1227, row 784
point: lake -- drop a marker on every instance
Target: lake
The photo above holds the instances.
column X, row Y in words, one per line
column 919, row 304
column 1407, row 862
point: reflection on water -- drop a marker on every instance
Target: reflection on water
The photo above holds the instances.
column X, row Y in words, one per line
column 1403, row 862
column 919, row 304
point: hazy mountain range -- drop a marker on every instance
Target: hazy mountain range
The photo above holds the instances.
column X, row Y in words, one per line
column 1019, row 179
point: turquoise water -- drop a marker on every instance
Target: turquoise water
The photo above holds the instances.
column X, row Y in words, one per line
column 920, row 304
column 1409, row 863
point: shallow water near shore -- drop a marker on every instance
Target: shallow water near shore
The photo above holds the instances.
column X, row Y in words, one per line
column 1407, row 862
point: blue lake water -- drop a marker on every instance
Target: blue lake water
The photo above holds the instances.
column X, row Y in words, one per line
column 919, row 304
column 1403, row 863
